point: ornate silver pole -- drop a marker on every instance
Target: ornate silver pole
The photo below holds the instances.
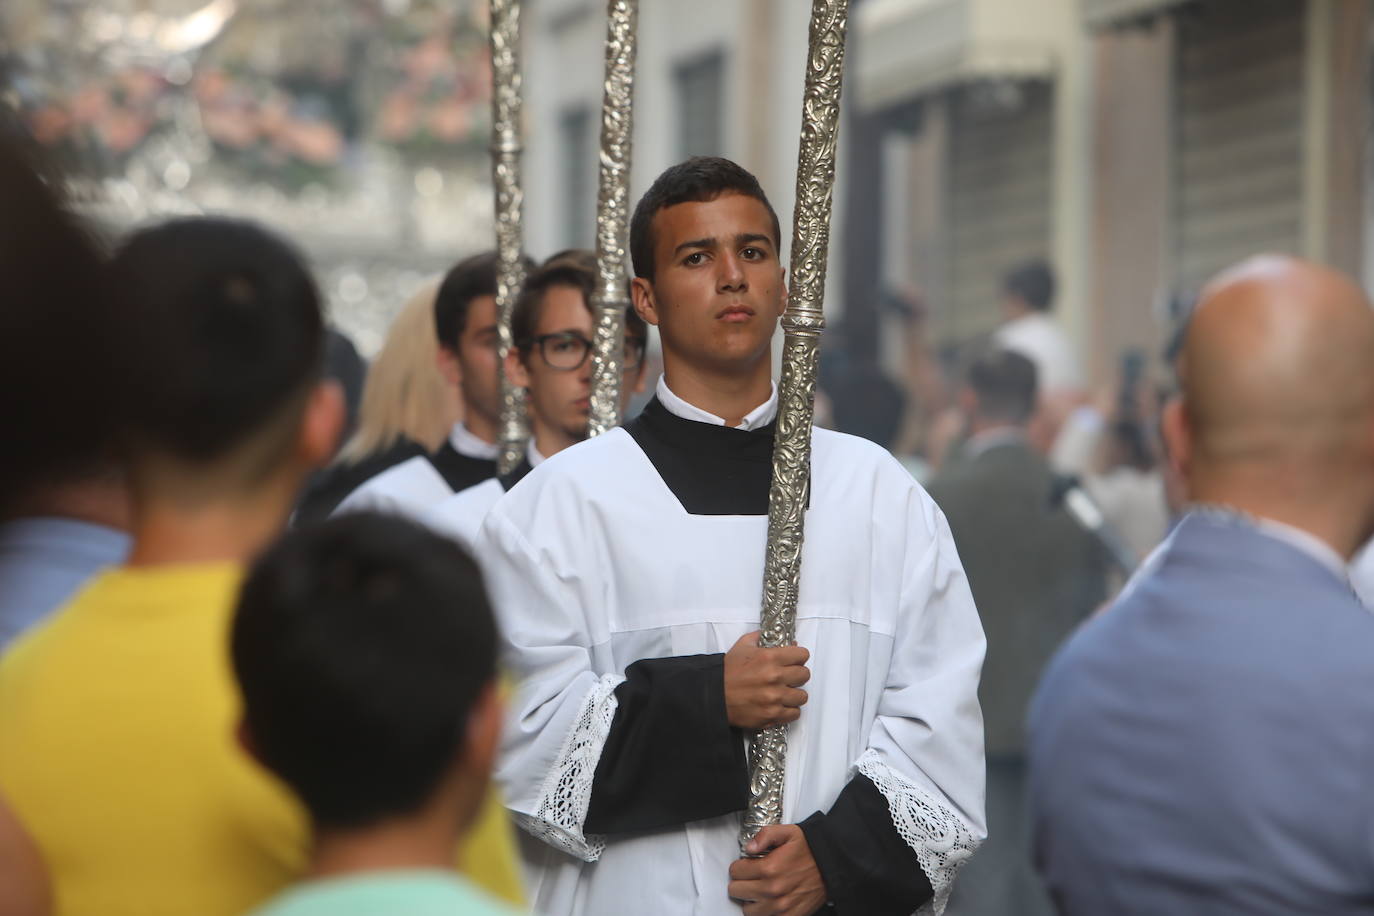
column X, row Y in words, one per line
column 613, row 216
column 802, row 325
column 505, row 178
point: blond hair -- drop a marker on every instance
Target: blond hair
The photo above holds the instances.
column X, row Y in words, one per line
column 405, row 393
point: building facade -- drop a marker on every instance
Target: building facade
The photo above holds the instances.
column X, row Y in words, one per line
column 1137, row 145
column 978, row 108
column 1222, row 129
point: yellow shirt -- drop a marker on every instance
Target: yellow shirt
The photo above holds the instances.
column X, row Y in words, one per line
column 117, row 752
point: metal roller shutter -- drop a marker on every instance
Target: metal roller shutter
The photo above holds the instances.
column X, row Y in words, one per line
column 1238, row 134
column 999, row 196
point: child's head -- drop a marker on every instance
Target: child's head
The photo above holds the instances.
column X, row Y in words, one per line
column 225, row 387
column 366, row 652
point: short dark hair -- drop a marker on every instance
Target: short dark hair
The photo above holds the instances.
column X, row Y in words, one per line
column 573, row 267
column 61, row 336
column 361, row 645
column 230, row 328
column 1031, row 282
column 1005, row 384
column 467, row 280
column 697, row 180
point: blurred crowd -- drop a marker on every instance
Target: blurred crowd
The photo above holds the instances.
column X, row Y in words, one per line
column 269, row 106
column 1055, row 494
column 1104, row 440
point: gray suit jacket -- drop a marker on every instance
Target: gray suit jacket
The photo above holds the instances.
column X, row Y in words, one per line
column 1206, row 745
column 1033, row 572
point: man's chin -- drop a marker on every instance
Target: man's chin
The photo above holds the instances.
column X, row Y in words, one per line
column 492, row 416
column 738, row 354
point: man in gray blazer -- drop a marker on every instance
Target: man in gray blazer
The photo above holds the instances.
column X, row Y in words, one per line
column 1034, row 575
column 1206, row 745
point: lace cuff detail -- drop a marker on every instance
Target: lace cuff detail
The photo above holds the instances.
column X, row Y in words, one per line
column 940, row 838
column 567, row 790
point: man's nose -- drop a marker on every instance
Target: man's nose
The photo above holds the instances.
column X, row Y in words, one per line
column 731, row 277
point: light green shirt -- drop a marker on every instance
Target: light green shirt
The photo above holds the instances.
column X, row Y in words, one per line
column 418, row 892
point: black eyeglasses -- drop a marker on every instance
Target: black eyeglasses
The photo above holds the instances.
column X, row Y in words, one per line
column 568, row 350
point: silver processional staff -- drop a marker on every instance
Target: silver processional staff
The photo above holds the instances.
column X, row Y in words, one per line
column 802, row 325
column 613, row 216
column 506, row 148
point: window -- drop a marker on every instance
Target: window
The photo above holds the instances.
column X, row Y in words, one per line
column 577, row 138
column 700, row 99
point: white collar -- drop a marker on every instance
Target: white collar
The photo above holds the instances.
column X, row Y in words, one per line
column 990, row 439
column 1296, row 538
column 532, row 454
column 1030, row 319
column 467, row 444
column 759, row 416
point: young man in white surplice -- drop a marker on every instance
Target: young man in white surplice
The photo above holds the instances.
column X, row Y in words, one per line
column 627, row 571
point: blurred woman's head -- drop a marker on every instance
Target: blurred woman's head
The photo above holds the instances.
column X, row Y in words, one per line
column 406, row 396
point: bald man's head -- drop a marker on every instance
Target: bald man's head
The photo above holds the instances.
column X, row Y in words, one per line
column 1278, row 366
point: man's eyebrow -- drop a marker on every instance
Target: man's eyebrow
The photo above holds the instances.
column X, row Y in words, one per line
column 694, row 243
column 751, row 238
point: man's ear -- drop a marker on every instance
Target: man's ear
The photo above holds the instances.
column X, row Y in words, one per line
column 642, row 294
column 448, row 366
column 469, row 775
column 516, row 370
column 483, row 737
column 783, row 293
column 1178, row 437
column 321, row 424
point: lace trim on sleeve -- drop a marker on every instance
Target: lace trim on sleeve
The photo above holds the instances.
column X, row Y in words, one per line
column 567, row 790
column 940, row 838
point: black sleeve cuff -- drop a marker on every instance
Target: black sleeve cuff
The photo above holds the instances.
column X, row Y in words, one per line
column 868, row 869
column 671, row 756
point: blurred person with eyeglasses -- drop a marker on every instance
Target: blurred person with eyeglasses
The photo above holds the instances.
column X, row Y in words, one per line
column 552, row 325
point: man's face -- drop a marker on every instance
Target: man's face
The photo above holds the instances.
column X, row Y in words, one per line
column 477, row 360
column 718, row 288
column 560, row 387
column 1013, row 307
column 561, row 397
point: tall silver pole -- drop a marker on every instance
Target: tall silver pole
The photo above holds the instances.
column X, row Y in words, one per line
column 613, row 216
column 802, row 325
column 506, row 148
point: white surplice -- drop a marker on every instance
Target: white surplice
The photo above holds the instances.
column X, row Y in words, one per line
column 414, row 487
column 594, row 564
column 460, row 515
